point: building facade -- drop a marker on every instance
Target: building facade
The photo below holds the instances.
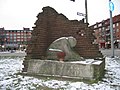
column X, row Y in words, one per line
column 102, row 32
column 14, row 39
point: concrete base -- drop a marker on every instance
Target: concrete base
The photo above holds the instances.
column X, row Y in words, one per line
column 89, row 70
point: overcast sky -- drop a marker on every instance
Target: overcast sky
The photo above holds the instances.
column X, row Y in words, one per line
column 16, row 14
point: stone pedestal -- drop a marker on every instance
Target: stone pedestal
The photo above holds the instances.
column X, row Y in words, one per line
column 86, row 70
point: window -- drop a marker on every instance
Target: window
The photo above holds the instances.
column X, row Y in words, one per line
column 117, row 24
column 21, row 39
column 10, row 35
column 21, row 33
column 18, row 36
column 95, row 26
column 25, row 39
column 21, row 36
column 18, row 33
column 99, row 25
column 7, row 34
column 25, row 31
column 14, row 37
column 117, row 30
column 113, row 30
column 100, row 29
column 18, row 39
column 14, row 40
column 24, row 36
column 113, row 25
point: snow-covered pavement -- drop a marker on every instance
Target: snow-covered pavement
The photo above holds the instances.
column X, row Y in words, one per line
column 10, row 80
column 13, row 53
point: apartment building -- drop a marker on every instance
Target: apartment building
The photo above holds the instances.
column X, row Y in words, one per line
column 14, row 39
column 102, row 32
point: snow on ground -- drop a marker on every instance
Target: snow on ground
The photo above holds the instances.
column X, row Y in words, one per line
column 10, row 80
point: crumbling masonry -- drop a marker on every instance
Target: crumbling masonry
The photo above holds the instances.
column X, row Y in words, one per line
column 51, row 25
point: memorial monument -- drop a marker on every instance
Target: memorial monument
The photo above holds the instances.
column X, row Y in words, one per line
column 66, row 46
column 51, row 27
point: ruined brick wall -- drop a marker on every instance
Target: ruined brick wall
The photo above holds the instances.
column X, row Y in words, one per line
column 50, row 26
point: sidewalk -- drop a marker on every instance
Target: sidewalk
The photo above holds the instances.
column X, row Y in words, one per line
column 16, row 53
column 108, row 52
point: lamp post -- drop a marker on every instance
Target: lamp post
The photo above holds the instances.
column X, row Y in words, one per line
column 86, row 12
column 111, row 7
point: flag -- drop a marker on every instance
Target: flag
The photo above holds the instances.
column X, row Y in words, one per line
column 72, row 0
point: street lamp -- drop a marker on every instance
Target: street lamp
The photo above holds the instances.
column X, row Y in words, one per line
column 86, row 12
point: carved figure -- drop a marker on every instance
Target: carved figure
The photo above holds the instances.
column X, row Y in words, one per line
column 63, row 46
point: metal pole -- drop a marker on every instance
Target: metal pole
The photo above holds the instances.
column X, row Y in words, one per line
column 86, row 12
column 111, row 30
